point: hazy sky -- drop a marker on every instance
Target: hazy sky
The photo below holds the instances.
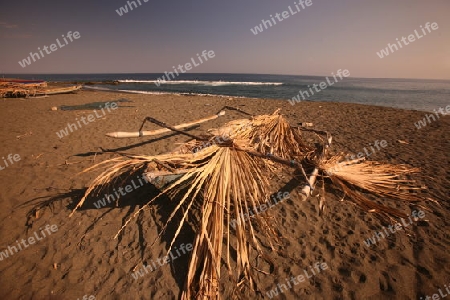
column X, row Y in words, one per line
column 320, row 39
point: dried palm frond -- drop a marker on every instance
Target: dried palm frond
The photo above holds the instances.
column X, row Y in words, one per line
column 227, row 184
column 228, row 175
column 380, row 180
column 232, row 183
column 271, row 134
column 113, row 169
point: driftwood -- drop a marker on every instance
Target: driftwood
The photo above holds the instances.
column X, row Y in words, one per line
column 121, row 134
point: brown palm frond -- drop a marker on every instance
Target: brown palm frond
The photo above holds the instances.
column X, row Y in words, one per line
column 227, row 176
column 113, row 168
column 233, row 183
column 380, row 180
column 268, row 134
column 227, row 184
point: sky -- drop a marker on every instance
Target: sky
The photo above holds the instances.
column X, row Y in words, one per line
column 317, row 40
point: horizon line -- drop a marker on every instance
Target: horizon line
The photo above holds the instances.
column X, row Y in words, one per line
column 125, row 73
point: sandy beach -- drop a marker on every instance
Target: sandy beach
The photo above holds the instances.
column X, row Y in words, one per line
column 75, row 257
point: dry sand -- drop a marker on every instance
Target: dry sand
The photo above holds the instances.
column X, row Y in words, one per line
column 82, row 258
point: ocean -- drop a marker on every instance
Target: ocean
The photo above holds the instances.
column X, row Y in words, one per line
column 417, row 94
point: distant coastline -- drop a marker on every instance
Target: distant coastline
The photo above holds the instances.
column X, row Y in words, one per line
column 414, row 94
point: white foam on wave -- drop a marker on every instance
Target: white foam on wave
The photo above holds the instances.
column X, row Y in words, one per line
column 97, row 88
column 161, row 93
column 200, row 82
column 179, row 94
column 146, row 92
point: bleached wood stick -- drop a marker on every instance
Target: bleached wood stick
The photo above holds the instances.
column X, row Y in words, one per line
column 121, row 134
column 306, row 191
column 311, row 181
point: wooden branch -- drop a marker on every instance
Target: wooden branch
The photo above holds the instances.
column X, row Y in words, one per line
column 310, row 186
column 120, row 134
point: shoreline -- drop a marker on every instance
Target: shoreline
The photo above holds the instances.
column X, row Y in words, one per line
column 231, row 97
column 406, row 94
